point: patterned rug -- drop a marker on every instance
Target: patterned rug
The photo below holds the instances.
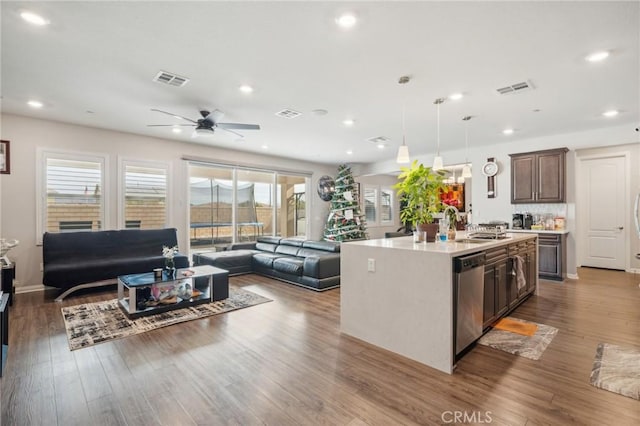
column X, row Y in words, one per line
column 617, row 369
column 99, row 322
column 530, row 347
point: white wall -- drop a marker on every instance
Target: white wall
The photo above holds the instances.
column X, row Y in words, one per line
column 18, row 197
column 500, row 208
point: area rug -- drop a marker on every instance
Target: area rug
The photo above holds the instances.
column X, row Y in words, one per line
column 98, row 322
column 531, row 347
column 617, row 369
column 516, row 326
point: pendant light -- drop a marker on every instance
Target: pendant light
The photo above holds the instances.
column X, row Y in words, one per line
column 466, row 170
column 403, row 150
column 437, row 161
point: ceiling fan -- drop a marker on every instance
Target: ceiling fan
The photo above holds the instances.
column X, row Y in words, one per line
column 207, row 124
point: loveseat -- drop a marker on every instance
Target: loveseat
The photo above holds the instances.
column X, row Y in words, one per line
column 312, row 264
column 74, row 260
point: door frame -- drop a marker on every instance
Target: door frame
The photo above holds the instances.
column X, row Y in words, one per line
column 581, row 226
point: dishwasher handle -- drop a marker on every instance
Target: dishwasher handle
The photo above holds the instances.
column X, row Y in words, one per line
column 465, row 263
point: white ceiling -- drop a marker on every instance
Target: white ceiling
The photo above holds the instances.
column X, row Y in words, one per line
column 102, row 57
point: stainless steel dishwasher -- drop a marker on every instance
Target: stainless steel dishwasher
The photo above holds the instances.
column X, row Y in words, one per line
column 469, row 298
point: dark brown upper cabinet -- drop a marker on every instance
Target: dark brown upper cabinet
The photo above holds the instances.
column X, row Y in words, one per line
column 538, row 177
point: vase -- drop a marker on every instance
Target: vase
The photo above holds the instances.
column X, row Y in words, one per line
column 170, row 267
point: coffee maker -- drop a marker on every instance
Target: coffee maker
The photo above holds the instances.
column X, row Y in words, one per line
column 517, row 221
column 527, row 221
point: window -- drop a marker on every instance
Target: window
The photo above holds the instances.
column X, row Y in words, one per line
column 370, row 204
column 232, row 204
column 144, row 205
column 71, row 192
column 378, row 205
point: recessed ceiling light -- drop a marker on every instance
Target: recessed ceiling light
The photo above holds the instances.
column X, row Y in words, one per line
column 33, row 18
column 176, row 129
column 611, row 113
column 346, row 20
column 245, row 88
column 456, row 96
column 35, row 104
column 380, row 146
column 507, row 131
column 348, row 122
column 349, row 152
column 597, row 56
column 264, row 147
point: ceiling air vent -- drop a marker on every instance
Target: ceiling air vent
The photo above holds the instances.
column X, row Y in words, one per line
column 379, row 140
column 170, row 79
column 515, row 88
column 288, row 113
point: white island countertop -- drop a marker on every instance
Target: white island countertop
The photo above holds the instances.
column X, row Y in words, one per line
column 448, row 248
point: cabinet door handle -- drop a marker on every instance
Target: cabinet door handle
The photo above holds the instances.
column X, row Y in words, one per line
column 620, row 228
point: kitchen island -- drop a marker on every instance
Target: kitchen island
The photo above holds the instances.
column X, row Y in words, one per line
column 399, row 295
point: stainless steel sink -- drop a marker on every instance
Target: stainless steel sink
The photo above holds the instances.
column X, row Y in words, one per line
column 472, row 241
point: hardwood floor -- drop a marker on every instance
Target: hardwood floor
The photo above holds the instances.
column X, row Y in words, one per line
column 286, row 363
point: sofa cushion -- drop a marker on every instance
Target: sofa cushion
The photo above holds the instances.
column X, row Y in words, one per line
column 72, row 272
column 296, row 242
column 305, row 252
column 229, row 260
column 289, row 265
column 268, row 239
column 267, row 247
column 289, row 250
column 329, row 246
column 264, row 260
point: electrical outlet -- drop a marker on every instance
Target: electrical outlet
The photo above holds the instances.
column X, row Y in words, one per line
column 371, row 265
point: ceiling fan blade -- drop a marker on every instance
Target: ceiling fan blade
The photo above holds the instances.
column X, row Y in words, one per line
column 216, row 115
column 168, row 125
column 227, row 126
column 174, row 115
column 231, row 131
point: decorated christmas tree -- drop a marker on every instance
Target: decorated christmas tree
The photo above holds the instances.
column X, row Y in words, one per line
column 345, row 221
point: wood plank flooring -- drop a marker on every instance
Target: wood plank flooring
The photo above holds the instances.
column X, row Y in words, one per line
column 286, row 363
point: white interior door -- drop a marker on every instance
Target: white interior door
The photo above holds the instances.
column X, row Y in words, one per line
column 603, row 212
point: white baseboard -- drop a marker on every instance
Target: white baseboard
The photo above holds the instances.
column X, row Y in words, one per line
column 28, row 288
column 572, row 276
column 633, row 271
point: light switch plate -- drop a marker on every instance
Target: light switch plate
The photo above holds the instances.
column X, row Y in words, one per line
column 371, row 265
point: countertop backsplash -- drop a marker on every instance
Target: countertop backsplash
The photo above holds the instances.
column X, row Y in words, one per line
column 558, row 210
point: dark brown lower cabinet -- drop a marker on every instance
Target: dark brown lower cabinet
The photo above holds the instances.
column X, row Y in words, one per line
column 495, row 285
column 501, row 292
column 552, row 252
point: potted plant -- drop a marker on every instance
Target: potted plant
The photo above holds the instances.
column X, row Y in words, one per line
column 420, row 187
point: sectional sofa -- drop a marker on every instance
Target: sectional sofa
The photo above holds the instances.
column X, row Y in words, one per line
column 311, row 264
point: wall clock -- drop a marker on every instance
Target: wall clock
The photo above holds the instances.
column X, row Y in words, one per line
column 490, row 170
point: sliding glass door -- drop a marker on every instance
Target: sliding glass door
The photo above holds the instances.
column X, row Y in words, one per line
column 233, row 204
